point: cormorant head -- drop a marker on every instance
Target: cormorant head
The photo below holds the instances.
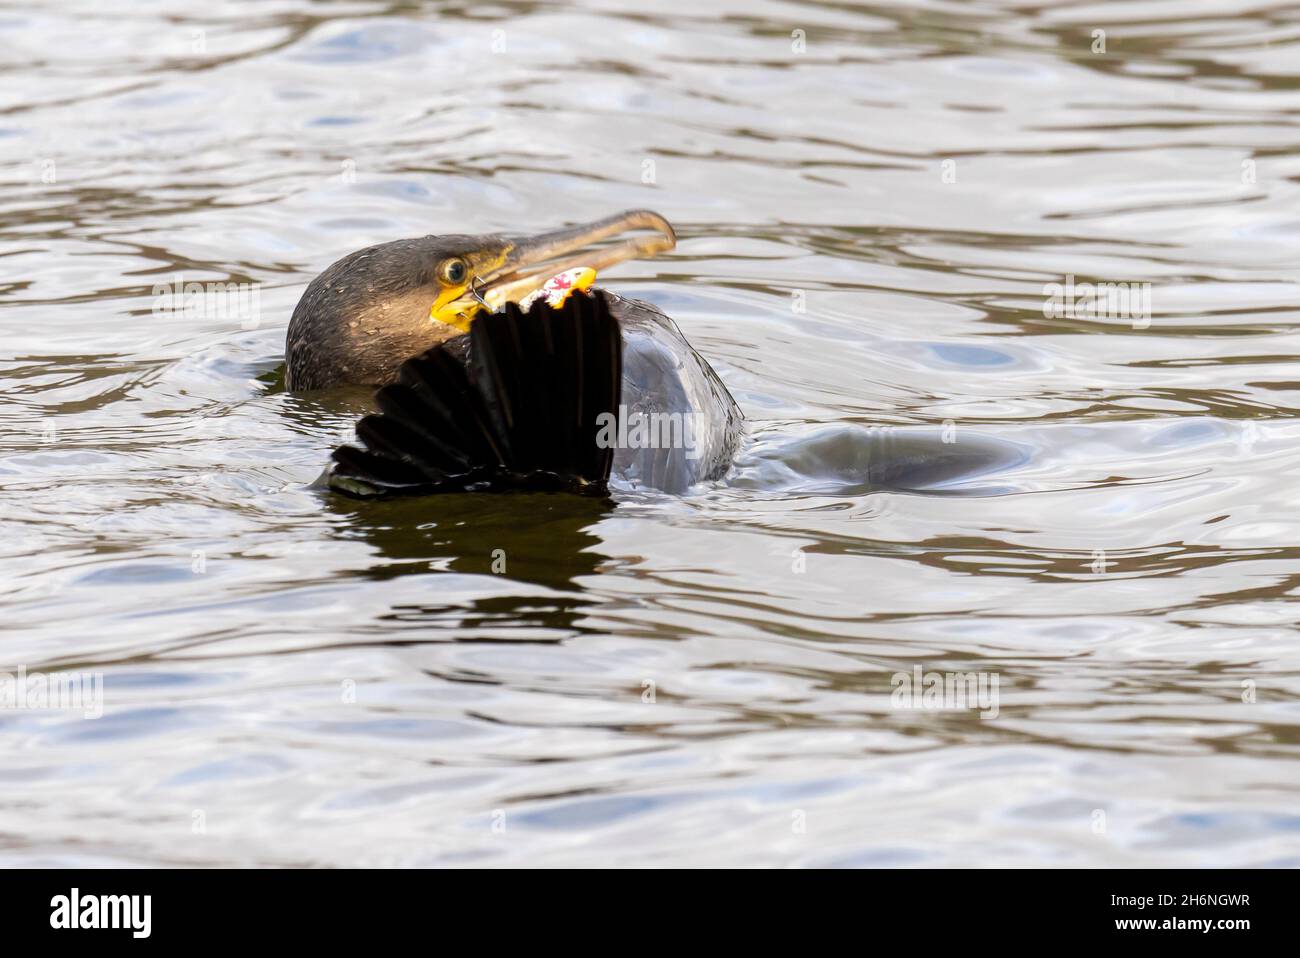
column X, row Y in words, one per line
column 363, row 317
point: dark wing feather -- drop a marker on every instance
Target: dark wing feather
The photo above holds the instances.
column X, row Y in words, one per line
column 520, row 409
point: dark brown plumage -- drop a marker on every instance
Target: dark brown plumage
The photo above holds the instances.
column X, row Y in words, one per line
column 515, row 404
column 358, row 321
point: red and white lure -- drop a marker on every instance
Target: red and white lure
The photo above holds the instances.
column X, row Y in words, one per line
column 560, row 287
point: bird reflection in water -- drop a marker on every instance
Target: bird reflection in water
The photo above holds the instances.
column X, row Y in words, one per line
column 552, row 548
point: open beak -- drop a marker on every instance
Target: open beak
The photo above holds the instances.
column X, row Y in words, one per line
column 529, row 261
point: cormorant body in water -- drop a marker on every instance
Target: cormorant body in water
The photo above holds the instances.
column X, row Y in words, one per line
column 475, row 399
column 481, row 389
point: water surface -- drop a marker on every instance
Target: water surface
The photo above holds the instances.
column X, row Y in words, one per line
column 872, row 200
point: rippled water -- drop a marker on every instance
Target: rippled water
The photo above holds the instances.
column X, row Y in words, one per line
column 295, row 679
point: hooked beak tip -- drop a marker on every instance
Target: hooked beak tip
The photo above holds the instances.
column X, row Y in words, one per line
column 533, row 260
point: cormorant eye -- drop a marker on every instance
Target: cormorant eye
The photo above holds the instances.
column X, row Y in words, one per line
column 453, row 271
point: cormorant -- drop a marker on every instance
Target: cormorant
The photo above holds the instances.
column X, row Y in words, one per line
column 479, row 392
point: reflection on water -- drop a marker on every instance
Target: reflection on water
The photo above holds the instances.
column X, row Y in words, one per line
column 944, row 470
column 480, row 535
